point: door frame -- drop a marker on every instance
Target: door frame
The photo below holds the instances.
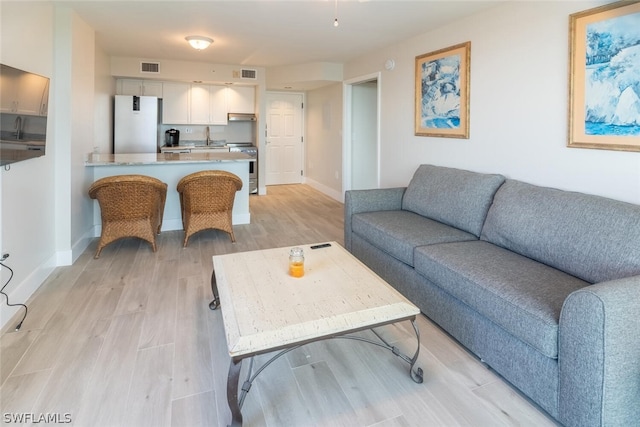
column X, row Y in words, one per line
column 347, row 143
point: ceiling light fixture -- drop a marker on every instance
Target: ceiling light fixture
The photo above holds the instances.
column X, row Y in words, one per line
column 199, row 42
column 335, row 21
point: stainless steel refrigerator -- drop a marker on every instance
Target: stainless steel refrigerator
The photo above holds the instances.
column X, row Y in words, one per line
column 135, row 127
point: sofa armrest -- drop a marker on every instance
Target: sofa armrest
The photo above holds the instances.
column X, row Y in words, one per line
column 599, row 355
column 381, row 199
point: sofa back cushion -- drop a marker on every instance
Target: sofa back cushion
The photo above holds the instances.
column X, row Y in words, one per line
column 454, row 197
column 593, row 238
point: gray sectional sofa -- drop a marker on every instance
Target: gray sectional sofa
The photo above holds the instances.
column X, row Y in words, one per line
column 543, row 285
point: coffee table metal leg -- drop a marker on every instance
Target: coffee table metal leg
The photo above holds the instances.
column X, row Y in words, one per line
column 214, row 289
column 232, row 392
column 236, row 400
column 417, row 374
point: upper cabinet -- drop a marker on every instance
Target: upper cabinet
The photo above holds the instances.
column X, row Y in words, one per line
column 218, row 106
column 23, row 93
column 195, row 104
column 176, row 103
column 140, row 87
column 208, row 105
column 241, row 99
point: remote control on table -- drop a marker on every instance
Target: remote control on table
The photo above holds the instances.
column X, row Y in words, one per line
column 324, row 245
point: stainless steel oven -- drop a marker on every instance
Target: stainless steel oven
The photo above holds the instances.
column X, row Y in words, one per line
column 251, row 150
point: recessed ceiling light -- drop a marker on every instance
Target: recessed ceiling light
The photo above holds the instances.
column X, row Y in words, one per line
column 199, row 42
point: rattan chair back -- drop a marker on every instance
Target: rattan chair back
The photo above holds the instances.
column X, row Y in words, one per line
column 130, row 206
column 206, row 201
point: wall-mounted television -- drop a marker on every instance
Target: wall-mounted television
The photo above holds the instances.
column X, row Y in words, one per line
column 24, row 102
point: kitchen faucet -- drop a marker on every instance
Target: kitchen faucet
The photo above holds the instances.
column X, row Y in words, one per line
column 208, row 135
column 18, row 126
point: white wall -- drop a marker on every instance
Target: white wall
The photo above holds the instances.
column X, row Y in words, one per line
column 74, row 81
column 364, row 136
column 518, row 110
column 105, row 87
column 83, row 105
column 323, row 148
column 46, row 219
column 28, row 187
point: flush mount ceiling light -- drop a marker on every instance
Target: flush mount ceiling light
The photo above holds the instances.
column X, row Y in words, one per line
column 199, row 42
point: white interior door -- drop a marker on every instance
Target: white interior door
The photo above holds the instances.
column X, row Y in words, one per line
column 284, row 139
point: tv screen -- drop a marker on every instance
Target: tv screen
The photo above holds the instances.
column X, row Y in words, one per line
column 24, row 99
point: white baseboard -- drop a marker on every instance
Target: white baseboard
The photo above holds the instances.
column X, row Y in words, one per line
column 23, row 291
column 69, row 257
column 336, row 195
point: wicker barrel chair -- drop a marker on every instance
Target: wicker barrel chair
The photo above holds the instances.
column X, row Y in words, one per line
column 130, row 206
column 206, row 201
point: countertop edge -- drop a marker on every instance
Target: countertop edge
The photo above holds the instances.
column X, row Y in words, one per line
column 142, row 159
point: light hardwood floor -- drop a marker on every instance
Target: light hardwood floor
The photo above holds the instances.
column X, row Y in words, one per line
column 129, row 340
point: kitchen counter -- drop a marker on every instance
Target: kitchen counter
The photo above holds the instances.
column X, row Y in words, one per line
column 171, row 168
column 166, row 158
column 194, row 149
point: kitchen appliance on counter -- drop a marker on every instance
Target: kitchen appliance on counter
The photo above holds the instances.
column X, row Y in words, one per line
column 172, row 138
column 135, row 124
column 251, row 150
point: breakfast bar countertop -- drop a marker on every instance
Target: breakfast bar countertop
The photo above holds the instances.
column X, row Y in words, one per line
column 95, row 159
column 170, row 169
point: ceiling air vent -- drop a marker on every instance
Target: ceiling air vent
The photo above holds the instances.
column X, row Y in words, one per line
column 248, row 74
column 149, row 67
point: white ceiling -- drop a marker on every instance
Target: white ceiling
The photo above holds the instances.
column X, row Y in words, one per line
column 264, row 33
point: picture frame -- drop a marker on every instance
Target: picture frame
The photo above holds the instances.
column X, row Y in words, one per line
column 442, row 92
column 604, row 77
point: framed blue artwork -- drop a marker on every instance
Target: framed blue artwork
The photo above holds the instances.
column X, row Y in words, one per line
column 604, row 92
column 442, row 92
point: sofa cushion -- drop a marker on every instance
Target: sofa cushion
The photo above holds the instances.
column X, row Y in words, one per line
column 591, row 237
column 452, row 196
column 521, row 295
column 399, row 232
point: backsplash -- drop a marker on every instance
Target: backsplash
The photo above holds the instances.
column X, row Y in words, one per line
column 233, row 132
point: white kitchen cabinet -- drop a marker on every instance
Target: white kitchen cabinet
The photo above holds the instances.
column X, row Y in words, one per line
column 199, row 105
column 195, row 104
column 208, row 105
column 139, row 87
column 241, row 99
column 218, row 105
column 23, row 93
column 176, row 103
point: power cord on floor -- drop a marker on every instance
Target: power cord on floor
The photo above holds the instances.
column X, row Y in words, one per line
column 4, row 257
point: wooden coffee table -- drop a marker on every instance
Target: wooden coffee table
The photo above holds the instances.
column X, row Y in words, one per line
column 266, row 310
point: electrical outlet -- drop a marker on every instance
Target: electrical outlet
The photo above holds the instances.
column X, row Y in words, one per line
column 4, row 256
column 188, row 130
